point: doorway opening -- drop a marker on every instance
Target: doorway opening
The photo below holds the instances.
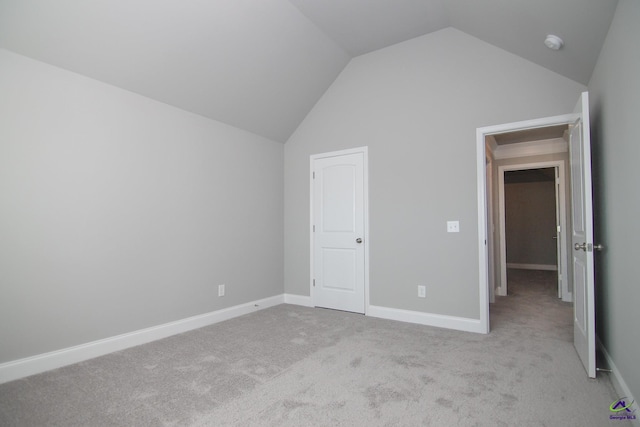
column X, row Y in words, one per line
column 529, row 145
column 533, row 217
column 531, row 224
column 581, row 277
column 530, row 221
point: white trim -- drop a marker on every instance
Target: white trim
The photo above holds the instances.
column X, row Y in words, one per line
column 483, row 255
column 302, row 300
column 366, row 229
column 21, row 368
column 545, row 267
column 531, row 148
column 365, row 152
column 563, row 119
column 562, row 214
column 491, row 257
column 616, row 378
column 481, row 134
column 427, row 319
column 491, row 262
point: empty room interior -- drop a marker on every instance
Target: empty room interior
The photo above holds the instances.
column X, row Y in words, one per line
column 298, row 212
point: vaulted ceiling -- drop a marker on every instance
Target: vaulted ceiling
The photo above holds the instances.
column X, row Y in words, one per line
column 261, row 65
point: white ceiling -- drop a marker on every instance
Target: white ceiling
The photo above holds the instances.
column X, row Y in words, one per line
column 261, row 65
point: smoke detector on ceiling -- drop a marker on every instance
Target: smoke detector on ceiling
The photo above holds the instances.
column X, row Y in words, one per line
column 553, row 42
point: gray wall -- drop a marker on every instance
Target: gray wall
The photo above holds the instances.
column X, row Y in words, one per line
column 615, row 108
column 530, row 223
column 417, row 106
column 119, row 213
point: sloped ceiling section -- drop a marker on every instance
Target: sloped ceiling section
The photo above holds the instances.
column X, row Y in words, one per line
column 254, row 64
column 520, row 27
column 517, row 26
column 362, row 26
column 261, row 65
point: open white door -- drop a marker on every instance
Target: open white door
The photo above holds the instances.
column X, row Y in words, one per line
column 584, row 324
column 338, row 231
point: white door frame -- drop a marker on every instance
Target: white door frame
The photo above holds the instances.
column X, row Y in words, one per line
column 312, row 158
column 491, row 273
column 481, row 134
column 561, row 209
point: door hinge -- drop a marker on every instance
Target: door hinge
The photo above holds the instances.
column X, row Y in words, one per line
column 314, row 175
column 314, row 228
column 314, row 283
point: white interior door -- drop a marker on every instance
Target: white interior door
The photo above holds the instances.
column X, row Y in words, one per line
column 338, row 224
column 582, row 237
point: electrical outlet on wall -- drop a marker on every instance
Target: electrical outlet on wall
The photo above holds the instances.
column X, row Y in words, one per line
column 221, row 290
column 422, row 291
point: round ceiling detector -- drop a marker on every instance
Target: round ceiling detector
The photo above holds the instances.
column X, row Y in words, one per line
column 553, row 42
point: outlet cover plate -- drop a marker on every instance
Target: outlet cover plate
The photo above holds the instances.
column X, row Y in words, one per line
column 422, row 291
column 453, row 226
column 220, row 290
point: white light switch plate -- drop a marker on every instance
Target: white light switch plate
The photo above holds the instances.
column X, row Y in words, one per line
column 422, row 291
column 453, row 226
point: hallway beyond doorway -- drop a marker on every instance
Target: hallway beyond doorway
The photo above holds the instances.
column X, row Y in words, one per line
column 533, row 301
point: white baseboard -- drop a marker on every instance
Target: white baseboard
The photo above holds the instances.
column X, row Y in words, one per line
column 532, row 266
column 21, row 368
column 616, row 378
column 298, row 300
column 428, row 319
column 567, row 297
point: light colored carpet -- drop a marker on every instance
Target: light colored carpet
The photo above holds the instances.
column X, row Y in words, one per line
column 297, row 366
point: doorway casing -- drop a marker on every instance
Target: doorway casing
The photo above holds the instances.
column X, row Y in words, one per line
column 483, row 253
column 561, row 215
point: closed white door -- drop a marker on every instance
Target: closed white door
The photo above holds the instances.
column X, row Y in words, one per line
column 338, row 232
column 584, row 324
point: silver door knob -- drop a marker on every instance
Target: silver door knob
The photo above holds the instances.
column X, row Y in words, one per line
column 598, row 247
column 579, row 246
column 358, row 240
